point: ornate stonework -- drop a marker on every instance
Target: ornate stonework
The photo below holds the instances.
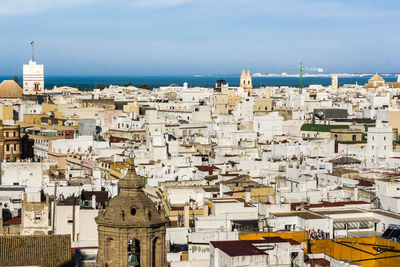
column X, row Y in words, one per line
column 131, row 229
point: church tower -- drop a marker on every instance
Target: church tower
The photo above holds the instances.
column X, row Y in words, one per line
column 131, row 229
column 246, row 82
column 243, row 79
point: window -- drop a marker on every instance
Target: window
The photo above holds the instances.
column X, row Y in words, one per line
column 38, row 217
column 15, row 147
column 133, row 211
column 8, row 147
column 7, row 134
column 288, row 227
column 36, row 86
column 384, row 138
column 354, row 137
column 15, row 134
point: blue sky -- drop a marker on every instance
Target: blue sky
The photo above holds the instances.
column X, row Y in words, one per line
column 184, row 37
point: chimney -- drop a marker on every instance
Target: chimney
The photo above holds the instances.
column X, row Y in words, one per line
column 278, row 198
column 94, row 201
column 186, row 211
column 205, row 210
column 247, row 195
column 355, row 193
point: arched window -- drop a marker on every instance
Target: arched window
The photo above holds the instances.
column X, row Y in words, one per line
column 134, row 253
column 156, row 252
column 110, row 251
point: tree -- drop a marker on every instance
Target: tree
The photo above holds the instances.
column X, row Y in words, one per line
column 15, row 78
column 127, row 84
column 101, row 86
column 79, row 88
column 144, row 86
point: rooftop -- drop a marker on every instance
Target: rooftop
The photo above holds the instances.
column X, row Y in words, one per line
column 340, row 211
column 322, row 127
column 249, row 247
column 302, row 214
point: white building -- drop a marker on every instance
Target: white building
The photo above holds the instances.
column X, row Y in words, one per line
column 269, row 251
column 33, row 78
column 388, row 192
column 379, row 141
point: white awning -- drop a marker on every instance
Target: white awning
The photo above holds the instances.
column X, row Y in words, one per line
column 354, row 223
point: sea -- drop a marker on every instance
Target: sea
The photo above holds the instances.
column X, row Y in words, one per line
column 89, row 82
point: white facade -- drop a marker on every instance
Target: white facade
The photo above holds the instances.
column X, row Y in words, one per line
column 33, row 175
column 33, row 78
column 379, row 141
column 388, row 192
column 267, row 126
column 82, row 144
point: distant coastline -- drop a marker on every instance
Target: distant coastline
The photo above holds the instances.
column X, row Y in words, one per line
column 89, row 82
column 326, row 75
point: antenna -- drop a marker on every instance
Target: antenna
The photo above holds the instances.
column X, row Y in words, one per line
column 301, row 77
column 33, row 50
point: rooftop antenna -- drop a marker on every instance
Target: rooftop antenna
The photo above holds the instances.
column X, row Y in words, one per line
column 301, row 77
column 33, row 50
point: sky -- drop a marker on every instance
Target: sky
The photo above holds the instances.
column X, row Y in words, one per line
column 187, row 37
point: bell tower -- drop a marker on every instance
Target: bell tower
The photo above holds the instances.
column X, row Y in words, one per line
column 246, row 82
column 131, row 229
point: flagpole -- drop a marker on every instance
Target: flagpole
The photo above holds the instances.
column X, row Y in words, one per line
column 33, row 50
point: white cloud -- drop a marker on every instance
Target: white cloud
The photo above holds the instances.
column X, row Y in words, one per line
column 27, row 7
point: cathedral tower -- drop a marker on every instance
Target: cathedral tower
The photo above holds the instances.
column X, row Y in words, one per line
column 131, row 229
column 246, row 82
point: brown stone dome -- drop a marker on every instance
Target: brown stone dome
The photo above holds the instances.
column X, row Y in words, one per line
column 131, row 208
column 10, row 89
